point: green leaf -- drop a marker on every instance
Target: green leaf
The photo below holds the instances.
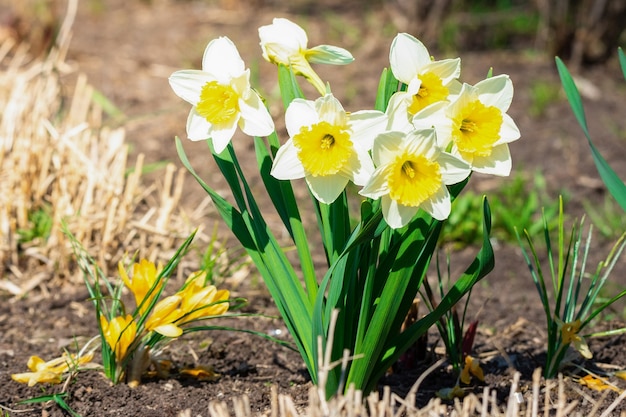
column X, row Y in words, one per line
column 622, row 60
column 615, row 185
column 289, row 88
column 481, row 266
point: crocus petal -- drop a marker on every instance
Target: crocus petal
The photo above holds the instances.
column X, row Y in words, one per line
column 496, row 91
column 407, row 56
column 222, row 60
column 300, row 113
column 498, row 163
column 287, row 165
column 169, row 330
column 198, row 127
column 187, row 84
column 328, row 54
column 255, row 119
column 326, row 189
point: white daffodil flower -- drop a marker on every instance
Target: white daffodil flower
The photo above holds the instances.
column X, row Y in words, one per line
column 327, row 146
column 284, row 42
column 475, row 125
column 221, row 97
column 412, row 173
column 427, row 81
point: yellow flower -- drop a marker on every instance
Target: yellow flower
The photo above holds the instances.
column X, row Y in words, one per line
column 145, row 275
column 569, row 334
column 119, row 334
column 221, row 96
column 476, row 126
column 451, row 393
column 427, row 81
column 199, row 301
column 285, row 43
column 472, row 367
column 412, row 173
column 51, row 371
column 327, row 146
column 164, row 315
column 193, row 302
column 597, row 384
column 201, row 373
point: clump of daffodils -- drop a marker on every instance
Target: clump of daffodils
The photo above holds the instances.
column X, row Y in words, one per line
column 405, row 160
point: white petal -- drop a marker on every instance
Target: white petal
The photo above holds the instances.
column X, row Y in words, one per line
column 377, row 186
column 359, row 167
column 496, row 91
column 438, row 205
column 422, row 142
column 498, row 163
column 328, row 54
column 198, row 127
column 287, row 165
column 407, row 56
column 281, row 40
column 327, row 188
column 222, row 59
column 222, row 134
column 365, row 125
column 446, row 69
column 387, row 146
column 330, row 110
column 397, row 215
column 454, row 170
column 255, row 119
column 434, row 116
column 509, row 131
column 187, row 84
column 398, row 113
column 300, row 113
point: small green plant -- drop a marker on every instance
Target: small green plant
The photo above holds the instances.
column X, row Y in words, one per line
column 457, row 339
column 58, row 399
column 568, row 292
column 40, row 221
column 132, row 340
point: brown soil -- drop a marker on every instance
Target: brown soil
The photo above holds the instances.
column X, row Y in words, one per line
column 128, row 49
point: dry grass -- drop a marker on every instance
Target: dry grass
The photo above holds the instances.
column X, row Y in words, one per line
column 59, row 162
column 545, row 399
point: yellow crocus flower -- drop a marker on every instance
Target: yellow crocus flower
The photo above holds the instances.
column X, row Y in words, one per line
column 145, row 274
column 119, row 333
column 51, row 371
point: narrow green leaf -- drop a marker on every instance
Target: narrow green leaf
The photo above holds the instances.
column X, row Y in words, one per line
column 289, row 88
column 622, row 60
column 614, row 184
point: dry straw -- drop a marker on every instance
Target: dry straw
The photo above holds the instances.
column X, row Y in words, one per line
column 58, row 158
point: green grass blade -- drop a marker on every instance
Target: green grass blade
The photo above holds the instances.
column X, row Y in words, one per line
column 614, row 184
column 622, row 60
